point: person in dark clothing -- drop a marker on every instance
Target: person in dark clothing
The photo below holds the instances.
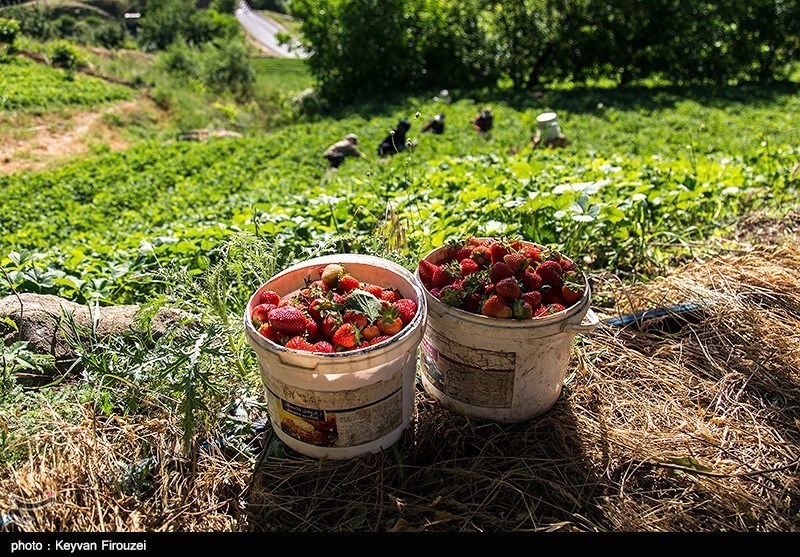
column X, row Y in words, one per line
column 435, row 125
column 483, row 121
column 396, row 140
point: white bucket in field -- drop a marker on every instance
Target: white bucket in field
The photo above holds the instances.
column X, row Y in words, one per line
column 548, row 125
column 345, row 404
column 500, row 370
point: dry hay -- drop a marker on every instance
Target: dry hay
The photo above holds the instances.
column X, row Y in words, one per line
column 694, row 427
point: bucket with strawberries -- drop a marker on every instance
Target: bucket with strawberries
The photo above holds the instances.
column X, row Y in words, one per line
column 502, row 318
column 336, row 339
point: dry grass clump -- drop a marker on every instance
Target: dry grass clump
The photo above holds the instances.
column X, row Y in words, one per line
column 684, row 423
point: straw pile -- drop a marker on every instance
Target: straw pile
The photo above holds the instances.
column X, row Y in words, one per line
column 689, row 423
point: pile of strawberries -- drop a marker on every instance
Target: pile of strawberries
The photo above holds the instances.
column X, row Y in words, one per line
column 335, row 313
column 503, row 279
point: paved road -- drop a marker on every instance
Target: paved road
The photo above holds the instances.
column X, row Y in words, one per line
column 264, row 30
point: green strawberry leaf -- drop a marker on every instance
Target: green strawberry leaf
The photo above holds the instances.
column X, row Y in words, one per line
column 366, row 303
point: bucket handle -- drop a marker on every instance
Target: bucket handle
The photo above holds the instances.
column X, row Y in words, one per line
column 587, row 325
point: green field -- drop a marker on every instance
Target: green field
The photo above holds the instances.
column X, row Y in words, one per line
column 287, row 74
column 31, row 87
column 648, row 173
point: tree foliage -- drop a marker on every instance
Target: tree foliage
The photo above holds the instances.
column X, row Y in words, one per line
column 361, row 47
column 165, row 20
column 9, row 29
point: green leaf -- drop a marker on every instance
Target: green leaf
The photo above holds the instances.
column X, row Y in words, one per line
column 364, row 302
column 521, row 170
column 688, row 462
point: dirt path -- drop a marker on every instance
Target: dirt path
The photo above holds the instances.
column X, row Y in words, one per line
column 34, row 142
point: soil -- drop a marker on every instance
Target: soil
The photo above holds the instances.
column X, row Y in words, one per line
column 33, row 142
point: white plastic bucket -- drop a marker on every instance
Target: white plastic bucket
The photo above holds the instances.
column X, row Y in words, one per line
column 345, row 404
column 548, row 125
column 500, row 370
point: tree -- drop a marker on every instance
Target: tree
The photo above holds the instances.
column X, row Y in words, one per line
column 364, row 47
column 528, row 34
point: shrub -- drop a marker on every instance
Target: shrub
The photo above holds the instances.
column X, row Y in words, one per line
column 220, row 66
column 9, row 29
column 67, row 58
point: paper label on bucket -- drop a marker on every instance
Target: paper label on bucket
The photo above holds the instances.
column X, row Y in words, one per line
column 478, row 377
column 336, row 426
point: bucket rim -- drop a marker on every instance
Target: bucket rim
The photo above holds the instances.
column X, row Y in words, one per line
column 479, row 319
column 352, row 355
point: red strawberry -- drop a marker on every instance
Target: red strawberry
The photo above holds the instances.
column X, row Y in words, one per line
column 551, row 273
column 534, row 299
column 390, row 327
column 323, row 346
column 390, row 296
column 270, row 297
column 534, row 254
column 376, row 340
column 550, row 309
column 500, row 271
column 348, row 283
column 516, row 261
column 356, row 318
column 338, row 298
column 288, row 320
column 468, row 266
column 553, row 297
column 497, row 307
column 407, row 309
column 452, row 250
column 260, row 314
column 329, row 325
column 508, row 288
column 531, row 280
column 497, row 251
column 481, row 255
column 572, row 290
column 370, row 331
column 521, row 310
column 478, row 242
column 566, row 265
column 374, row 290
column 270, row 333
column 299, row 343
column 425, row 270
column 332, row 274
column 311, row 329
column 318, row 284
column 440, row 277
column 316, row 306
column 345, row 336
column 541, row 311
column 472, row 303
column 452, row 296
column 389, row 322
column 463, row 253
column 436, row 292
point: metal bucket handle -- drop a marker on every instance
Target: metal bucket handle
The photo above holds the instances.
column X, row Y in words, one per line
column 590, row 321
